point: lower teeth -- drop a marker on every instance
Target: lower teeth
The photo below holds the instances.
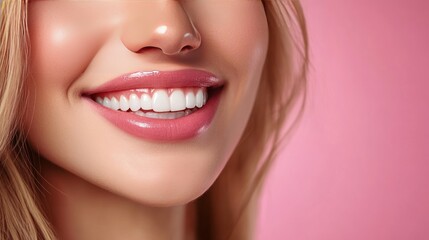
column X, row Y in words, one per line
column 165, row 115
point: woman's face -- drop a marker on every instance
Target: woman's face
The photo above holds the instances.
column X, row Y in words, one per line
column 178, row 80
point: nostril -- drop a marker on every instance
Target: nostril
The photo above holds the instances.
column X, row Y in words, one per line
column 148, row 49
column 186, row 48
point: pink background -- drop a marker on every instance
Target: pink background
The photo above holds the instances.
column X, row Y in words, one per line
column 358, row 166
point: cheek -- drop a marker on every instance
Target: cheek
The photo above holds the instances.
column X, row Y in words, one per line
column 62, row 45
column 236, row 39
column 237, row 36
column 236, row 33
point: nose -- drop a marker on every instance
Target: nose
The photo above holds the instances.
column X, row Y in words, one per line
column 163, row 25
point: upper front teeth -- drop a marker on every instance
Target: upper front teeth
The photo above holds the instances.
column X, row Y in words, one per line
column 159, row 100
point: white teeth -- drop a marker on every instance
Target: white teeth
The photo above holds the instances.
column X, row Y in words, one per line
column 99, row 100
column 134, row 102
column 160, row 101
column 205, row 96
column 190, row 100
column 199, row 98
column 106, row 102
column 114, row 104
column 165, row 115
column 123, row 103
column 177, row 100
column 146, row 102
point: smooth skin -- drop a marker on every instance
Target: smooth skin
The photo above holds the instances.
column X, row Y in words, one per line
column 104, row 183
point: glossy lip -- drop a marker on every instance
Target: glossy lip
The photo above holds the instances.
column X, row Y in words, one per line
column 161, row 129
column 159, row 79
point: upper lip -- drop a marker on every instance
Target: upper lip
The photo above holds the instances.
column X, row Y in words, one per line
column 159, row 79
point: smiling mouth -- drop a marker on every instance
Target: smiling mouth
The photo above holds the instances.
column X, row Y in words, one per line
column 160, row 106
column 167, row 103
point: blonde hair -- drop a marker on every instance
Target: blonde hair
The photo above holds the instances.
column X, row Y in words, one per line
column 20, row 215
column 227, row 209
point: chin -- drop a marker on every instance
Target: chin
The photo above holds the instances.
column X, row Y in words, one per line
column 171, row 181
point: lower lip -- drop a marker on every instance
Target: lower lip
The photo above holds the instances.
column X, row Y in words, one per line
column 182, row 128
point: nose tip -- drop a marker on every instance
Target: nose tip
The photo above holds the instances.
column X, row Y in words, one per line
column 164, row 25
column 175, row 40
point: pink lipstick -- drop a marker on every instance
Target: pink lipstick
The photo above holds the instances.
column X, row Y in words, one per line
column 159, row 105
